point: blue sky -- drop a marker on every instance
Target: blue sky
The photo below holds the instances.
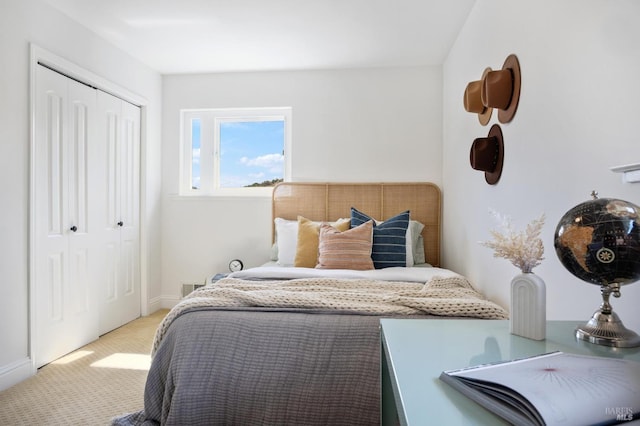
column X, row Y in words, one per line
column 251, row 151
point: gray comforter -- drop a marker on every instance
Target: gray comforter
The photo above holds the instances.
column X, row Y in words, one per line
column 296, row 352
column 249, row 366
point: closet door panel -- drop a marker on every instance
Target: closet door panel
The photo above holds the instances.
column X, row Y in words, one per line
column 51, row 241
column 110, row 115
column 130, row 167
column 111, row 135
column 53, row 156
column 53, row 305
column 80, row 281
column 130, row 211
column 64, row 249
column 129, row 275
column 77, row 167
column 120, row 296
column 84, row 250
column 112, row 263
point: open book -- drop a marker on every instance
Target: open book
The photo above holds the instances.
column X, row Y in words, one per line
column 554, row 389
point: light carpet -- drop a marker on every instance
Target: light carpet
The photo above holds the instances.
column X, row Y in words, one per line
column 89, row 386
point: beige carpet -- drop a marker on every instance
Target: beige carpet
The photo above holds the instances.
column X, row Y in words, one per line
column 89, row 386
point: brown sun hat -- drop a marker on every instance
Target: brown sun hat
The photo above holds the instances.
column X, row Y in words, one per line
column 473, row 100
column 487, row 155
column 501, row 89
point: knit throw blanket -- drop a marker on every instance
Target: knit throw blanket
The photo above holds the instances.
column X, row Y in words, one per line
column 443, row 296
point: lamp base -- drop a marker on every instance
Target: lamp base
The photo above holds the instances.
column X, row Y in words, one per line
column 607, row 329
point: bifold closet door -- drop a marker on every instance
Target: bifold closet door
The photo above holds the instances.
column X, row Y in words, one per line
column 119, row 124
column 68, row 252
column 85, row 214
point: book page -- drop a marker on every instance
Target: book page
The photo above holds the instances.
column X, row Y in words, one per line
column 569, row 389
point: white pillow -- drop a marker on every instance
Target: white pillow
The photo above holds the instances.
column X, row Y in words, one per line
column 286, row 240
column 414, row 242
column 408, row 247
column 284, row 249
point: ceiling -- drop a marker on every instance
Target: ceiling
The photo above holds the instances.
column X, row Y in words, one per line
column 193, row 36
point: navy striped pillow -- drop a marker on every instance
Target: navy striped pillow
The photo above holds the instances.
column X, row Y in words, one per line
column 389, row 239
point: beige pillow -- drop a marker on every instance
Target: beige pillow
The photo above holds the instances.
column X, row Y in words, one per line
column 308, row 240
column 345, row 250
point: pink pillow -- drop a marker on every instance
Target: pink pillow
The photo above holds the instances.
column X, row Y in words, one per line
column 350, row 249
column 309, row 240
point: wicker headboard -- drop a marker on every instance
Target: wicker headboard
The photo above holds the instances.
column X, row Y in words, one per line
column 331, row 201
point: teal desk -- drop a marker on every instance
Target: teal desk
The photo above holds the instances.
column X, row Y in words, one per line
column 416, row 351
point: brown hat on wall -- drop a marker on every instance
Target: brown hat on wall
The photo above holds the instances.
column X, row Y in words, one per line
column 501, row 89
column 487, row 155
column 473, row 100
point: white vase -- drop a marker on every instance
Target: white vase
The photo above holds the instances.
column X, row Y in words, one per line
column 528, row 316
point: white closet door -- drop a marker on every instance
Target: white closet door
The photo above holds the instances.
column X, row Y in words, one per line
column 130, row 212
column 120, row 290
column 67, row 253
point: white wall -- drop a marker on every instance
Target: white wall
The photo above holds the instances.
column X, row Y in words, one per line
column 348, row 125
column 578, row 116
column 32, row 21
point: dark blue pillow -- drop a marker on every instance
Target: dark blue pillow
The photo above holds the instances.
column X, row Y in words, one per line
column 389, row 239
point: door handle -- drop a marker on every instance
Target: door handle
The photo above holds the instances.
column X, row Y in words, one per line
column 73, row 228
column 120, row 223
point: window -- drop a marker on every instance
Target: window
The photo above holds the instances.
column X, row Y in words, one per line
column 234, row 151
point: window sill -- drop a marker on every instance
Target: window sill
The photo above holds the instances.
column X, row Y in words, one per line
column 227, row 193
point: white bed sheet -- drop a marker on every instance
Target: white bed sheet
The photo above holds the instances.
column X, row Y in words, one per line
column 418, row 274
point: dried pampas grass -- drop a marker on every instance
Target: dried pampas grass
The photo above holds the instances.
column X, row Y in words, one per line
column 524, row 249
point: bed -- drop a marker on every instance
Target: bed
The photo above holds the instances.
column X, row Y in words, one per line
column 286, row 343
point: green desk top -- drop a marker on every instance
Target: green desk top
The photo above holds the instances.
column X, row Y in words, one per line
column 418, row 350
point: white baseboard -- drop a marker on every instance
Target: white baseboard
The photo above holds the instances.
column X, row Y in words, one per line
column 168, row 302
column 15, row 372
column 154, row 305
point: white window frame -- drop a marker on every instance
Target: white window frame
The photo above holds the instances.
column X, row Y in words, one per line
column 210, row 120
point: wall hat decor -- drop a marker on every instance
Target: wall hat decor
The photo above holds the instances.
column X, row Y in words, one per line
column 473, row 100
column 501, row 89
column 487, row 155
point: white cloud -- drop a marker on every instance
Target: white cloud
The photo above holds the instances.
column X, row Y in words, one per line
column 271, row 162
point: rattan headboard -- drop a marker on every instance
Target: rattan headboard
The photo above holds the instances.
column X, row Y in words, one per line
column 331, row 201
